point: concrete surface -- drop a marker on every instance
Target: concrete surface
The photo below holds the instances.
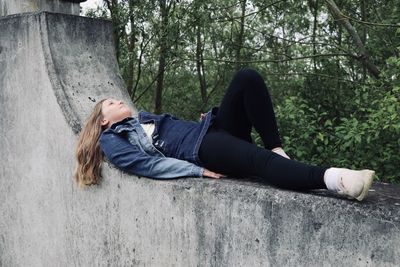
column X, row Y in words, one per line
column 53, row 68
column 10, row 7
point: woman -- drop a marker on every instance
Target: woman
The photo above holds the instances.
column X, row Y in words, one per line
column 163, row 147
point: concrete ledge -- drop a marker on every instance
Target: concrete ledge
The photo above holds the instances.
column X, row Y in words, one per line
column 206, row 222
column 10, row 7
column 53, row 68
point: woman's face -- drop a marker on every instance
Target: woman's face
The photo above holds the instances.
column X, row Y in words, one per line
column 114, row 111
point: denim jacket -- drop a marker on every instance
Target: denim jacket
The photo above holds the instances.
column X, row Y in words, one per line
column 126, row 145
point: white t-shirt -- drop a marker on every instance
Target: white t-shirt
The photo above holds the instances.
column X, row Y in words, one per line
column 149, row 129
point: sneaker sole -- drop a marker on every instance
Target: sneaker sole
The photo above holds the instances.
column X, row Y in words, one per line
column 368, row 177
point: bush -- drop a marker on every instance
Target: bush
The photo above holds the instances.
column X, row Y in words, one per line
column 366, row 138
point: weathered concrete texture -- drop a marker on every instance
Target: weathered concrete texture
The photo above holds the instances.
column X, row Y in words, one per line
column 52, row 68
column 10, row 7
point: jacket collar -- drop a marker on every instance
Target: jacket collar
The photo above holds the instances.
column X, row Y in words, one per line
column 123, row 125
column 145, row 116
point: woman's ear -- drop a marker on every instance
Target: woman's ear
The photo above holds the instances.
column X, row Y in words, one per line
column 104, row 122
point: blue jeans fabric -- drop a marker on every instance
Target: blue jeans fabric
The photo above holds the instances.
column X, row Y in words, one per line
column 227, row 146
column 126, row 145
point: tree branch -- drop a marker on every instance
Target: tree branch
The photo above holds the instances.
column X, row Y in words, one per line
column 369, row 23
column 364, row 58
column 273, row 60
column 246, row 15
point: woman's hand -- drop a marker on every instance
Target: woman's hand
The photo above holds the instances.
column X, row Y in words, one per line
column 202, row 116
column 208, row 173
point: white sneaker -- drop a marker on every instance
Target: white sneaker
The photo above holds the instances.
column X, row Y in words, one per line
column 355, row 184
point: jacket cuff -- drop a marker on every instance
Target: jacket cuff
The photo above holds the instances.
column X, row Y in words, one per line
column 197, row 171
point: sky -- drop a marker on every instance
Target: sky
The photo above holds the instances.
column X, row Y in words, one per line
column 90, row 4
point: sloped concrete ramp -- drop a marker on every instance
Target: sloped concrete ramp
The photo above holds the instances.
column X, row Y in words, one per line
column 53, row 68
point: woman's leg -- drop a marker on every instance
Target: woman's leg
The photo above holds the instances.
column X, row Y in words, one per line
column 224, row 153
column 247, row 103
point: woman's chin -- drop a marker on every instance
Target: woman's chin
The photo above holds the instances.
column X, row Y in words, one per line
column 127, row 112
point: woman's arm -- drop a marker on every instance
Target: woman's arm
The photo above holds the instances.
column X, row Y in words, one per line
column 132, row 159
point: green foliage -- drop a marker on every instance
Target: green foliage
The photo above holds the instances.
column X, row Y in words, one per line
column 330, row 112
column 366, row 138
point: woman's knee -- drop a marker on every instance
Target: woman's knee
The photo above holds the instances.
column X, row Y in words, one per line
column 250, row 76
column 249, row 73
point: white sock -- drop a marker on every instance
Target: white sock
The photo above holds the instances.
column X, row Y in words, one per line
column 280, row 151
column 331, row 178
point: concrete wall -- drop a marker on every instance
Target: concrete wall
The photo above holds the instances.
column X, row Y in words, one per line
column 9, row 7
column 53, row 68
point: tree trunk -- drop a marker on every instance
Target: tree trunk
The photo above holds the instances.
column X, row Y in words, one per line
column 200, row 64
column 364, row 31
column 364, row 56
column 315, row 12
column 113, row 7
column 240, row 39
column 162, row 57
column 131, row 49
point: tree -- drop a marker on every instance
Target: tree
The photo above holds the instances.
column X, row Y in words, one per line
column 344, row 21
column 179, row 56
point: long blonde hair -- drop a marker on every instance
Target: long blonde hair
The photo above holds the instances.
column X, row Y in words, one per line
column 88, row 152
